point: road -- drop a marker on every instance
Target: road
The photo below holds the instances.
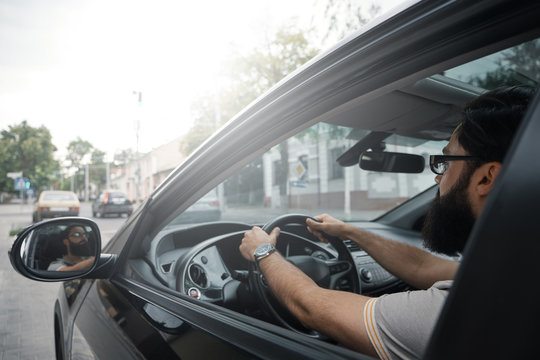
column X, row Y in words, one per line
column 26, row 306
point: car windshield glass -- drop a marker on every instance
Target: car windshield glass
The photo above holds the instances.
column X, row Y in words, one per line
column 58, row 197
column 302, row 175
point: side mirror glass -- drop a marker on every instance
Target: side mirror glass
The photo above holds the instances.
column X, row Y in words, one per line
column 58, row 249
column 392, row 162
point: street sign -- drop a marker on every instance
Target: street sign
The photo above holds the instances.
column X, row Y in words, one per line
column 20, row 183
column 14, row 175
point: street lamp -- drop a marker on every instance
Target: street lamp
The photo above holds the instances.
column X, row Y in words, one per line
column 137, row 127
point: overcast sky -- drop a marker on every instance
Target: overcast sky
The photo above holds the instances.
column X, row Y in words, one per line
column 73, row 65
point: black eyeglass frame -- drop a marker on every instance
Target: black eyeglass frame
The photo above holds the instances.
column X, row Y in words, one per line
column 434, row 160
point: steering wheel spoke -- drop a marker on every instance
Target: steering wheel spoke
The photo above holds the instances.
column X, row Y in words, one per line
column 338, row 270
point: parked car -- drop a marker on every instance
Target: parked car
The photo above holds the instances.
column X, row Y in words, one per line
column 168, row 289
column 52, row 204
column 207, row 208
column 111, row 202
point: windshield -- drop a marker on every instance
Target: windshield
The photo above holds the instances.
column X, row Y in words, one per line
column 302, row 175
column 58, row 197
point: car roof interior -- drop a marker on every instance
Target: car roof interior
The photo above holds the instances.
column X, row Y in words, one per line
column 428, row 109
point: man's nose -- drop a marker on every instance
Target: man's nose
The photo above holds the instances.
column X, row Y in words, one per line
column 438, row 179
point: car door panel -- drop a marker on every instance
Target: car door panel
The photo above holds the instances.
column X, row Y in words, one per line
column 117, row 324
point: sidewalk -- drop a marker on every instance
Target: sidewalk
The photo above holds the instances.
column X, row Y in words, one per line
column 26, row 306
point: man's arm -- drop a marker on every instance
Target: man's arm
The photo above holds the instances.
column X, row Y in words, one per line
column 82, row 265
column 415, row 266
column 335, row 313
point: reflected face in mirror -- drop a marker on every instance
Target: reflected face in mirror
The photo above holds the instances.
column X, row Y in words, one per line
column 77, row 242
column 79, row 248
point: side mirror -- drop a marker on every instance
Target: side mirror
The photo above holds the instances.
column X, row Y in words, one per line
column 59, row 249
column 392, row 162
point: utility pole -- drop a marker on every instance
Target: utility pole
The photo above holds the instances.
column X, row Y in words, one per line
column 108, row 175
column 138, row 172
column 86, row 182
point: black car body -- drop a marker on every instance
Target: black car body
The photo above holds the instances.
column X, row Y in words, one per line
column 112, row 203
column 164, row 289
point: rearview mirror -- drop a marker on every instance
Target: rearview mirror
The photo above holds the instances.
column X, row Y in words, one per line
column 58, row 249
column 392, row 162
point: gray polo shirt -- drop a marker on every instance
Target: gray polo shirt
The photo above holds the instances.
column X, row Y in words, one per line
column 399, row 325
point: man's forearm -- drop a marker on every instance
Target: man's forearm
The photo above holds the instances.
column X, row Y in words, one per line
column 336, row 314
column 291, row 293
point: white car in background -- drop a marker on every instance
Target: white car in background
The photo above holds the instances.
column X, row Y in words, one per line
column 51, row 204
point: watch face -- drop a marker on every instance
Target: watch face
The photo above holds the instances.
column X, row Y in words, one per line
column 263, row 249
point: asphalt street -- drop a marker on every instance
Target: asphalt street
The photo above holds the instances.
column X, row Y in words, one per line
column 26, row 306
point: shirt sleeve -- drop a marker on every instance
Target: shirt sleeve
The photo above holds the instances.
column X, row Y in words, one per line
column 55, row 265
column 372, row 330
column 400, row 325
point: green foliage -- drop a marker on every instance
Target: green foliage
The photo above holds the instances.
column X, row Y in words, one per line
column 517, row 66
column 342, row 17
column 124, row 157
column 77, row 150
column 30, row 150
column 245, row 78
column 82, row 153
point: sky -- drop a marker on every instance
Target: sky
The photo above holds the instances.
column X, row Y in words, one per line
column 77, row 66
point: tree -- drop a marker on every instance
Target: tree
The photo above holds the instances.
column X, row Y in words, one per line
column 341, row 18
column 82, row 153
column 30, row 150
column 77, row 150
column 98, row 168
column 245, row 78
column 124, row 157
column 516, row 66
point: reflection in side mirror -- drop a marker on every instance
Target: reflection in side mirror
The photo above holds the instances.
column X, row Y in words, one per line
column 63, row 248
column 392, row 162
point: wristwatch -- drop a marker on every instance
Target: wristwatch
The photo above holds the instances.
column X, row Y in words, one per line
column 263, row 251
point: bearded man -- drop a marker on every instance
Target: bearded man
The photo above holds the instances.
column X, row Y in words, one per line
column 78, row 251
column 399, row 325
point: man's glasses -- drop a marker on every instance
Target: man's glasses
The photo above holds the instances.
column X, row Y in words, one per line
column 439, row 163
column 79, row 234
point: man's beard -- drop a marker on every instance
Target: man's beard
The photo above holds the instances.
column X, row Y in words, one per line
column 450, row 220
column 81, row 250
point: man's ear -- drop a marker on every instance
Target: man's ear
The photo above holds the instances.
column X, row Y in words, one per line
column 485, row 177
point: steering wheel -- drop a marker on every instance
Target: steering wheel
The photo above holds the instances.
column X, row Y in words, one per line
column 338, row 274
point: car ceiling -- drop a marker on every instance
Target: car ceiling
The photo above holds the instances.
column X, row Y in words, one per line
column 428, row 109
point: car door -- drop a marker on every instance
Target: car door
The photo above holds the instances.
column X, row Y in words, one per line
column 129, row 317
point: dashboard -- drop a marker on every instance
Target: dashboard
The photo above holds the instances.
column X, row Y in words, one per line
column 204, row 262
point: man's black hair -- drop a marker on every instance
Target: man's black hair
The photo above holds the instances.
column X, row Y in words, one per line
column 491, row 120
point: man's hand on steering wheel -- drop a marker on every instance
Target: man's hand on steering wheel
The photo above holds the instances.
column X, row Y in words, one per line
column 255, row 238
column 327, row 225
